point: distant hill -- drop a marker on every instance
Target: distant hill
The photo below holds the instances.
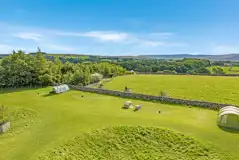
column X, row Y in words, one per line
column 225, row 57
column 3, row 55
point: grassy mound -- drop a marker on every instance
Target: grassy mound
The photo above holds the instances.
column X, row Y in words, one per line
column 134, row 143
column 20, row 119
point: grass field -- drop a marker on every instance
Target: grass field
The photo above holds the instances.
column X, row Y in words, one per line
column 53, row 121
column 207, row 88
column 227, row 69
column 139, row 143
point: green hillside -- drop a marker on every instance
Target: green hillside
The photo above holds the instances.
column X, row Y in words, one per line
column 56, row 120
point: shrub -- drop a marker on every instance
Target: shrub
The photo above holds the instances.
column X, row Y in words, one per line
column 203, row 70
column 96, row 77
column 101, row 85
column 163, row 94
column 169, row 72
column 127, row 90
column 218, row 70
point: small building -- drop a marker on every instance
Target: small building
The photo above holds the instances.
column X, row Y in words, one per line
column 60, row 88
column 229, row 117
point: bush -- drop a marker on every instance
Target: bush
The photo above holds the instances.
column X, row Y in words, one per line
column 218, row 70
column 81, row 78
column 96, row 77
column 101, row 85
column 127, row 90
column 169, row 72
column 203, row 70
column 163, row 94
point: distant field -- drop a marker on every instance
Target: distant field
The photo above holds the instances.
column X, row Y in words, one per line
column 227, row 70
column 207, row 88
column 70, row 56
column 46, row 126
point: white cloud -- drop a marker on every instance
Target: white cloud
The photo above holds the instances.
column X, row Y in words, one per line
column 101, row 35
column 29, row 36
column 151, row 43
column 51, row 40
column 107, row 36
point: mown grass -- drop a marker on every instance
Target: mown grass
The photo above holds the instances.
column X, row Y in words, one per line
column 20, row 120
column 227, row 69
column 206, row 88
column 62, row 117
column 140, row 143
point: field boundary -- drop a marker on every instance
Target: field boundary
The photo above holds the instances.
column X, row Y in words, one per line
column 188, row 74
column 196, row 103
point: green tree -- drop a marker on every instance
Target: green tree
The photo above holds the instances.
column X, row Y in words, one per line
column 217, row 70
column 203, row 70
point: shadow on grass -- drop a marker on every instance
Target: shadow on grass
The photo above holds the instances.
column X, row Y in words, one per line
column 19, row 89
column 230, row 130
column 49, row 94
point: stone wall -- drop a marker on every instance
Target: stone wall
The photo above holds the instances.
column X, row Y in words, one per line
column 197, row 74
column 202, row 104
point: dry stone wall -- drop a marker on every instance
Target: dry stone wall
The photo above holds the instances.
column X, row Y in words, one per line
column 202, row 104
column 196, row 74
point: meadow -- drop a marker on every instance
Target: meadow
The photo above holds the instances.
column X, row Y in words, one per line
column 207, row 88
column 75, row 124
column 227, row 69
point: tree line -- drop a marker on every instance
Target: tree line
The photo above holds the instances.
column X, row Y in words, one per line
column 20, row 69
column 186, row 65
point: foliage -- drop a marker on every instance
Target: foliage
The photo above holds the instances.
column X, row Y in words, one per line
column 20, row 69
column 202, row 70
column 186, row 65
column 127, row 90
column 225, row 69
column 163, row 94
column 142, row 64
column 96, row 77
column 139, row 143
column 101, row 85
column 153, row 65
column 217, row 70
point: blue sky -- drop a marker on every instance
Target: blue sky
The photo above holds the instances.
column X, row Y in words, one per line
column 120, row 27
